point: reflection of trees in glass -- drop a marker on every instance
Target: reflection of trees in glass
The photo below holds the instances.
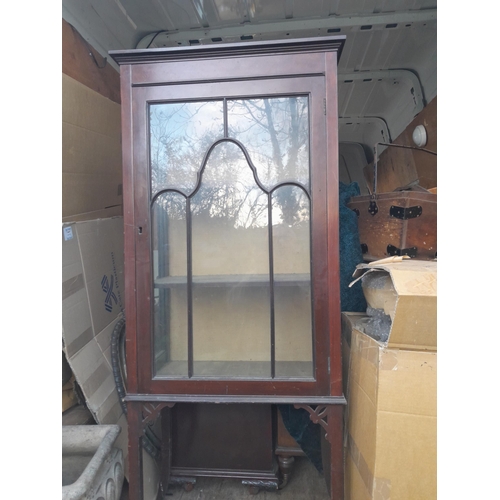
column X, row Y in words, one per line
column 180, row 135
column 291, row 206
column 275, row 132
column 228, row 190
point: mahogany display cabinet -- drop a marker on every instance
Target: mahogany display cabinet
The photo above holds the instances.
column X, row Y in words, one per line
column 230, row 182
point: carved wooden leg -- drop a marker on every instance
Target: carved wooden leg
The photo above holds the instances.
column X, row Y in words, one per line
column 134, row 411
column 188, row 487
column 286, row 466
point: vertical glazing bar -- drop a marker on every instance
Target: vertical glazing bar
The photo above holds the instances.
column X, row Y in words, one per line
column 271, row 282
column 163, row 329
column 226, row 121
column 312, row 218
column 189, row 286
column 311, row 287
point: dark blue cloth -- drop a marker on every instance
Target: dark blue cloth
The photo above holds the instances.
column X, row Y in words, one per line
column 351, row 299
column 304, row 431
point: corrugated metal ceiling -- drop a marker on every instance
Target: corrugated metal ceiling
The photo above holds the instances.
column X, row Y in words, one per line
column 387, row 71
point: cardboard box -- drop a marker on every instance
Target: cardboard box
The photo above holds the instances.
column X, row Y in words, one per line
column 68, row 395
column 391, row 419
column 91, row 154
column 349, row 320
column 92, row 304
column 406, row 290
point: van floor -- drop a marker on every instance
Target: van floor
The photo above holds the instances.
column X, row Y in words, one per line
column 305, row 483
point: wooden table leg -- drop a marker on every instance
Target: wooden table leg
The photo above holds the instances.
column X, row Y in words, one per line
column 335, row 434
column 135, row 450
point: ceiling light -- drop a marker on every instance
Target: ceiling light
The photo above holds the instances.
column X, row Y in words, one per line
column 420, row 136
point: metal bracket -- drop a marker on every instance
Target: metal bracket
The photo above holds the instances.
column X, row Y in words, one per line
column 364, row 248
column 411, row 252
column 405, row 213
column 356, row 211
column 373, row 208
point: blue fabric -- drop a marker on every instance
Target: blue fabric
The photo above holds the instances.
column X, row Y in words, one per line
column 351, row 299
column 307, row 434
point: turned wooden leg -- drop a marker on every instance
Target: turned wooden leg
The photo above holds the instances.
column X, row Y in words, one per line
column 134, row 450
column 253, row 490
column 286, row 466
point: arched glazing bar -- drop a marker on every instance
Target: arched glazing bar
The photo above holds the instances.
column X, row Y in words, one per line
column 199, row 174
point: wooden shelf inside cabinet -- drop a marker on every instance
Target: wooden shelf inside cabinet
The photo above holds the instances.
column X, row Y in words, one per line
column 223, row 280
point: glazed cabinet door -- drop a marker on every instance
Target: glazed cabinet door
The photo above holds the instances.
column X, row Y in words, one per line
column 231, row 244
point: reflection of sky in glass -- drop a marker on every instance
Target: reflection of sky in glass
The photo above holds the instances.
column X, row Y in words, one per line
column 228, row 190
column 181, row 133
column 274, row 132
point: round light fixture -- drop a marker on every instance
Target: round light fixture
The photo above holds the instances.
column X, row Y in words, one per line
column 420, row 136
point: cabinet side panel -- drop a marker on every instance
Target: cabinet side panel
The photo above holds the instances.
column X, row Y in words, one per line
column 129, row 233
column 333, row 223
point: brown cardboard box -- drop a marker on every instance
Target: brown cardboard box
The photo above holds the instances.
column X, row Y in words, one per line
column 391, row 422
column 349, row 321
column 91, row 154
column 390, row 387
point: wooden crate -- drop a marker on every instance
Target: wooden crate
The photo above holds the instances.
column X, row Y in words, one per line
column 401, row 223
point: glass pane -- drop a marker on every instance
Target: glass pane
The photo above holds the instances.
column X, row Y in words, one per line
column 170, row 285
column 230, row 255
column 275, row 132
column 180, row 134
column 292, row 278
